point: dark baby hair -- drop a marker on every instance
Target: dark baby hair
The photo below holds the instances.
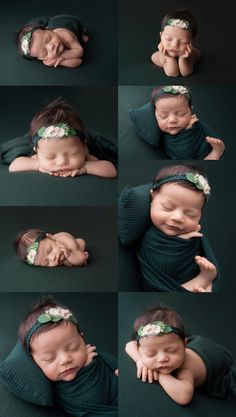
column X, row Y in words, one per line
column 24, row 239
column 58, row 111
column 182, row 15
column 158, row 313
column 38, row 308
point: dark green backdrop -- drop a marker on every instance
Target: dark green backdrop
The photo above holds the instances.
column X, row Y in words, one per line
column 100, row 60
column 97, row 107
column 139, row 27
column 217, row 218
column 97, row 318
column 96, row 225
column 211, row 104
column 204, row 314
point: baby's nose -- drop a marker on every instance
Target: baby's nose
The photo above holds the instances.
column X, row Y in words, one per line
column 61, row 160
column 177, row 216
column 65, row 358
column 162, row 357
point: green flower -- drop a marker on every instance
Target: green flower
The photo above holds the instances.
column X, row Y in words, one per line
column 200, row 182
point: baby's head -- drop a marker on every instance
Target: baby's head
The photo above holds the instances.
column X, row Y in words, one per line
column 39, row 248
column 160, row 336
column 173, row 108
column 50, row 334
column 58, row 137
column 38, row 42
column 179, row 192
column 178, row 29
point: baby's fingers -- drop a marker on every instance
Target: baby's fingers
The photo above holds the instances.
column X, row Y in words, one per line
column 144, row 374
column 150, row 376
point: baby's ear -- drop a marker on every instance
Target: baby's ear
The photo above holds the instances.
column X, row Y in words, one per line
column 185, row 342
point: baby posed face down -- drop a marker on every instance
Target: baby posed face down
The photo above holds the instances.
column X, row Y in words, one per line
column 60, row 352
column 162, row 353
column 61, row 155
column 175, row 209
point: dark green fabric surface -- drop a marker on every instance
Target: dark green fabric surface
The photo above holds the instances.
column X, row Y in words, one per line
column 202, row 314
column 221, row 374
column 139, row 37
column 100, row 59
column 216, row 217
column 208, row 102
column 97, row 318
column 87, row 222
column 94, row 390
column 166, row 262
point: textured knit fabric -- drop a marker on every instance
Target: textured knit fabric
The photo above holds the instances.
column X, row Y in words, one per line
column 98, row 146
column 221, row 374
column 187, row 144
column 20, row 374
column 166, row 262
column 64, row 21
column 92, row 393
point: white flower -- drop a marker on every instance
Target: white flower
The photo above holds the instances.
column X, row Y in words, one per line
column 181, row 89
column 202, row 181
column 151, row 329
column 54, row 131
column 25, row 45
column 59, row 312
column 178, row 23
column 31, row 256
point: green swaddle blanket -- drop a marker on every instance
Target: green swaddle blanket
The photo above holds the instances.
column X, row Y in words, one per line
column 221, row 375
column 166, row 262
column 187, row 144
column 92, row 393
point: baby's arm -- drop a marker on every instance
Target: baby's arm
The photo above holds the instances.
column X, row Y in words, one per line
column 169, row 64
column 180, row 389
column 70, row 247
column 143, row 372
column 218, row 148
column 24, row 163
column 187, row 60
column 71, row 56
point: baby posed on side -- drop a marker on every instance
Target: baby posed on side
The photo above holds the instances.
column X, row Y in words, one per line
column 173, row 253
column 176, row 53
column 57, row 135
column 39, row 248
column 180, row 364
column 56, row 41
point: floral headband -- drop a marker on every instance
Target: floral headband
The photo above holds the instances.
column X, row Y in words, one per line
column 52, row 315
column 32, row 250
column 158, row 328
column 198, row 180
column 173, row 89
column 177, row 23
column 59, row 130
column 26, row 41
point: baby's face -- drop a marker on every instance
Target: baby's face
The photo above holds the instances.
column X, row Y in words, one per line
column 176, row 210
column 162, row 353
column 175, row 40
column 59, row 352
column 60, row 155
column 52, row 252
column 173, row 113
column 46, row 45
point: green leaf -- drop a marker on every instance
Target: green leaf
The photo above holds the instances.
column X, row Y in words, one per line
column 44, row 318
column 41, row 132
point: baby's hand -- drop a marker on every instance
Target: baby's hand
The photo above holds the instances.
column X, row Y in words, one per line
column 50, row 62
column 44, row 171
column 72, row 173
column 193, row 120
column 146, row 374
column 188, row 51
column 90, row 353
column 161, row 49
column 193, row 233
column 58, row 61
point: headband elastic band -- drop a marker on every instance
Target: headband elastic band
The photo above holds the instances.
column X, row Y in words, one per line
column 26, row 41
column 158, row 328
column 59, row 130
column 53, row 315
column 172, row 89
column 199, row 181
column 32, row 250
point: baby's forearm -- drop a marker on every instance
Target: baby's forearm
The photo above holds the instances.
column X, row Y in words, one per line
column 185, row 66
column 171, row 67
column 24, row 163
column 132, row 350
column 101, row 168
column 73, row 53
column 181, row 391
